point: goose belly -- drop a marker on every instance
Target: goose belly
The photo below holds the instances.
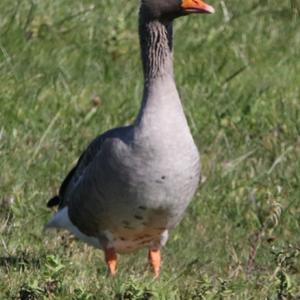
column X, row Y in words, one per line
column 154, row 193
column 135, row 199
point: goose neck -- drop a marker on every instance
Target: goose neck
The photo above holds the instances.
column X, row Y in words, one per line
column 156, row 49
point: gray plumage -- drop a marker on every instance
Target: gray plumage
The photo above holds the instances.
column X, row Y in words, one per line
column 132, row 184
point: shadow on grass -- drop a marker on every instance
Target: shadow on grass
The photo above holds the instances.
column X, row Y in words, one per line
column 19, row 262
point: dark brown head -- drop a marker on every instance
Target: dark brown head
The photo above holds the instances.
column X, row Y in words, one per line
column 171, row 9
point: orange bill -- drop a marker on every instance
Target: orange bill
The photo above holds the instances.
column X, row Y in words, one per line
column 197, row 6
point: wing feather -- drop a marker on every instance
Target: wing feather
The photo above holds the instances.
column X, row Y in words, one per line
column 86, row 158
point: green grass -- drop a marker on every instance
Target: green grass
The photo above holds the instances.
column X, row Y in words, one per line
column 70, row 70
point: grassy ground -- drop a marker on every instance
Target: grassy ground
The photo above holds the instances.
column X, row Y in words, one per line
column 69, row 70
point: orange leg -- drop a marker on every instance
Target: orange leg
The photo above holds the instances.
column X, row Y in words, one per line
column 111, row 260
column 154, row 260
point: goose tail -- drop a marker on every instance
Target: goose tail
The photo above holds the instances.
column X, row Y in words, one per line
column 53, row 202
column 59, row 220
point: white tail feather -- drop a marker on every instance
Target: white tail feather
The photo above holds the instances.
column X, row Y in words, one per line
column 61, row 220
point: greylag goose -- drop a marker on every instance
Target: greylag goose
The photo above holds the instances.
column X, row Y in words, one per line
column 132, row 184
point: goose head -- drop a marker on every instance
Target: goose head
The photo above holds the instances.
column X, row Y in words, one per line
column 167, row 10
